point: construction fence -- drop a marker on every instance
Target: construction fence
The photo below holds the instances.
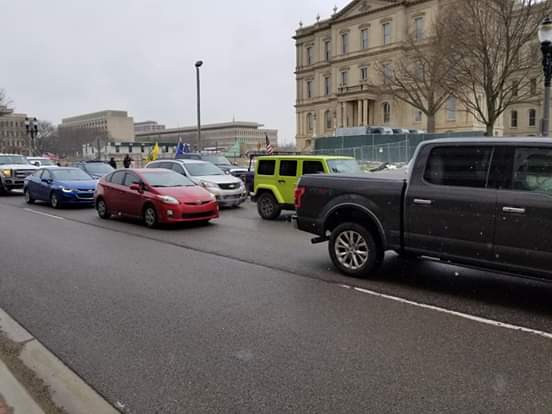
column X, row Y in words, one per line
column 396, row 148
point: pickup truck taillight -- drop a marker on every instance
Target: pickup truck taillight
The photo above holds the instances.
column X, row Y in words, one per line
column 299, row 193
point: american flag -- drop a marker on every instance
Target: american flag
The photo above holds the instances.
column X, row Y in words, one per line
column 269, row 149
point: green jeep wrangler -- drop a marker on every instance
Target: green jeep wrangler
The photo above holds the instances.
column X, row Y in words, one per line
column 276, row 177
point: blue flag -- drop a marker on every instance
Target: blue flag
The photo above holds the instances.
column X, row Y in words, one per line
column 180, row 148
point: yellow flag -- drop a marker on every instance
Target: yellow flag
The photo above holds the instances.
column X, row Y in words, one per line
column 154, row 153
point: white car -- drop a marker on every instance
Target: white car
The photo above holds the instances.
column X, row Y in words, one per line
column 229, row 190
column 41, row 162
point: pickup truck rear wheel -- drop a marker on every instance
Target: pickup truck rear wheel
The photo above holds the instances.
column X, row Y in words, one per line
column 353, row 250
column 268, row 207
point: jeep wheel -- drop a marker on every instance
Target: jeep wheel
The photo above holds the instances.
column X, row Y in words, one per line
column 353, row 250
column 28, row 198
column 268, row 207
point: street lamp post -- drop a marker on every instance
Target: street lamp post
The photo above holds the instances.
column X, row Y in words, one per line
column 31, row 125
column 198, row 64
column 545, row 38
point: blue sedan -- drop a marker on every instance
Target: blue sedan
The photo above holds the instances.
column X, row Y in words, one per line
column 60, row 186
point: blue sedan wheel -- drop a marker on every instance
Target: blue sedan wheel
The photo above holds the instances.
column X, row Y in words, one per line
column 54, row 201
column 28, row 198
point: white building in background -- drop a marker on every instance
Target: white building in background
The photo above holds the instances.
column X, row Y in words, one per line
column 147, row 126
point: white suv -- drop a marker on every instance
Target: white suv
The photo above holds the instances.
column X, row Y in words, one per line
column 229, row 190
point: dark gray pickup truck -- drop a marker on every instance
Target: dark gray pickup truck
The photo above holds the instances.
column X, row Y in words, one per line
column 484, row 203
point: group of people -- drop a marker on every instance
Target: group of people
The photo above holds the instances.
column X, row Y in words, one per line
column 127, row 162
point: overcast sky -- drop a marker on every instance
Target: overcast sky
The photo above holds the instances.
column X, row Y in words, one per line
column 67, row 57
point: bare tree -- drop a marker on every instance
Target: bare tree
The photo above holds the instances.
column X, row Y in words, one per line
column 418, row 76
column 4, row 103
column 494, row 53
column 69, row 141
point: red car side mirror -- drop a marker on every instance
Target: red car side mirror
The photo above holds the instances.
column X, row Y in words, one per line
column 137, row 187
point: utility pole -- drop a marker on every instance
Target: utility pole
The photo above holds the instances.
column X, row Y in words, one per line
column 198, row 64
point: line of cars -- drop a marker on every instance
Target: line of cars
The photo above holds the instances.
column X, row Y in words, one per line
column 165, row 191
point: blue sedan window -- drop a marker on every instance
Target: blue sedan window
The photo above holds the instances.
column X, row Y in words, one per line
column 73, row 174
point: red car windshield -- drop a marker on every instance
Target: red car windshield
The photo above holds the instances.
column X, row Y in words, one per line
column 166, row 179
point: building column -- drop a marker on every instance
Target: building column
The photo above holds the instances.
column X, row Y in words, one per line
column 366, row 113
column 359, row 113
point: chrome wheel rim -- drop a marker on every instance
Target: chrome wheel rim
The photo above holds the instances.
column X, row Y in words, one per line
column 266, row 206
column 149, row 217
column 54, row 200
column 27, row 196
column 351, row 250
column 101, row 208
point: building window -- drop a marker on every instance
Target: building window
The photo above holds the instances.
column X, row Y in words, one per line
column 533, row 87
column 327, row 50
column 532, row 117
column 451, row 108
column 344, row 43
column 309, row 121
column 327, row 86
column 386, row 33
column 387, row 72
column 419, row 71
column 364, row 39
column 309, row 89
column 515, row 87
column 514, row 119
column 310, row 56
column 344, row 77
column 386, row 112
column 364, row 73
column 418, row 116
column 419, row 28
column 328, row 120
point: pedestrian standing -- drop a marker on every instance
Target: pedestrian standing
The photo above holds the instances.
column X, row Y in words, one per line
column 113, row 163
column 127, row 161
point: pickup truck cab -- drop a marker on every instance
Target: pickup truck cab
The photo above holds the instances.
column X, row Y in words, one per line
column 276, row 177
column 484, row 203
column 13, row 171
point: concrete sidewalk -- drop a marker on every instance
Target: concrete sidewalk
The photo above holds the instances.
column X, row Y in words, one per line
column 14, row 399
column 65, row 389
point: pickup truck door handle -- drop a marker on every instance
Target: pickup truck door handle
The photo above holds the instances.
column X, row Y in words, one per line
column 422, row 202
column 514, row 210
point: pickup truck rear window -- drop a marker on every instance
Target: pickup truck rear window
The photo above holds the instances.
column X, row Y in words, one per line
column 461, row 166
column 266, row 167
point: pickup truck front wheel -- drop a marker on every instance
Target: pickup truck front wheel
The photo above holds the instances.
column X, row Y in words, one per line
column 353, row 250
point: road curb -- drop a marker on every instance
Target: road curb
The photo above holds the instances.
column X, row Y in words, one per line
column 68, row 390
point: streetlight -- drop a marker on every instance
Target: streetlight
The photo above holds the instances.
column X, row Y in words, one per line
column 31, row 125
column 198, row 64
column 545, row 39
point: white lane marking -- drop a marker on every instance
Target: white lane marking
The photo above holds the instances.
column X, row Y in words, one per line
column 479, row 319
column 43, row 214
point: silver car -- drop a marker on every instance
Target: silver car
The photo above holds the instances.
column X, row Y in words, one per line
column 229, row 190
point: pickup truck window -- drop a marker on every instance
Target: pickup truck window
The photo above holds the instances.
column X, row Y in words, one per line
column 312, row 167
column 288, row 168
column 266, row 167
column 461, row 166
column 533, row 170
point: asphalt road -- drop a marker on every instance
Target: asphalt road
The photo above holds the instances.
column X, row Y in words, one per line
column 245, row 316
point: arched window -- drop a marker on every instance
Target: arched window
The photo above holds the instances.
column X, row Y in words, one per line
column 309, row 122
column 532, row 117
column 328, row 120
column 514, row 119
column 386, row 112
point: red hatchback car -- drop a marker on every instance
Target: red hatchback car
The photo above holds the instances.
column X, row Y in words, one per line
column 155, row 195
